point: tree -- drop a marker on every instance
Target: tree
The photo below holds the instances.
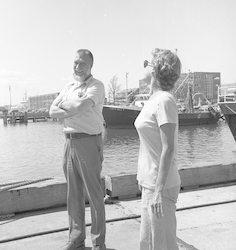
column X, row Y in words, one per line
column 114, row 87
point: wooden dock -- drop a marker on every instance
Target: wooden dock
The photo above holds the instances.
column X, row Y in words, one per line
column 24, row 117
column 51, row 192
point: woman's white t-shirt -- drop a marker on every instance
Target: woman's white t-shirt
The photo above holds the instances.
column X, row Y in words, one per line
column 158, row 110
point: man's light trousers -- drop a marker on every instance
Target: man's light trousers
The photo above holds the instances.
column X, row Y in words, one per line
column 82, row 165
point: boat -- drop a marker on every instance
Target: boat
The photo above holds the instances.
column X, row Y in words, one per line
column 124, row 116
column 227, row 104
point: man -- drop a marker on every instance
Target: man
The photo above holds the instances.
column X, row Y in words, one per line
column 80, row 105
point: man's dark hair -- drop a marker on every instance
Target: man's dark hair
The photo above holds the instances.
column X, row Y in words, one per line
column 86, row 51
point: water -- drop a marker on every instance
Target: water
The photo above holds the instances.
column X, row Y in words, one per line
column 35, row 150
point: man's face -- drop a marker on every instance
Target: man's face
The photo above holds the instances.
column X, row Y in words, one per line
column 82, row 66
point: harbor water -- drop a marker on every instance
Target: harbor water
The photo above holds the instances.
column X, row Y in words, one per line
column 34, row 150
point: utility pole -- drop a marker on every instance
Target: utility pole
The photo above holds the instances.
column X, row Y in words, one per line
column 10, row 94
column 127, row 102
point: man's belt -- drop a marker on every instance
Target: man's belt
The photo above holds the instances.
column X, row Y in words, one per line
column 79, row 135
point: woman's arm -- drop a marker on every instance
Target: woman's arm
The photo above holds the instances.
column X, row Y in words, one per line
column 168, row 143
column 167, row 132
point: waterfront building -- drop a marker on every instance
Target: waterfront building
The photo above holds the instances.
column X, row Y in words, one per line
column 229, row 85
column 41, row 101
column 207, row 83
column 204, row 86
column 2, row 110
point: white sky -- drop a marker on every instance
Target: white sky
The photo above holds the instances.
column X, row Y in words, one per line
column 39, row 39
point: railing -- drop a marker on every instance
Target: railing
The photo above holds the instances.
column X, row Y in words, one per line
column 226, row 94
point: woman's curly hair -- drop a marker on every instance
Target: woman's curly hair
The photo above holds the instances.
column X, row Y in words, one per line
column 167, row 68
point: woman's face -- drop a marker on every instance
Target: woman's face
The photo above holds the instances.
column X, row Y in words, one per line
column 147, row 75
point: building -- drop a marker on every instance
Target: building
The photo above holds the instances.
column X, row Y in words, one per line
column 41, row 101
column 229, row 85
column 204, row 86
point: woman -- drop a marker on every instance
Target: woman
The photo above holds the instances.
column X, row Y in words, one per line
column 158, row 177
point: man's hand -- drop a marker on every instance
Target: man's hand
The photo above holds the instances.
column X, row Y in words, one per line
column 157, row 204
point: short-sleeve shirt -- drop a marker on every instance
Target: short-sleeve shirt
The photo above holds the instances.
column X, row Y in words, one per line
column 91, row 121
column 158, row 110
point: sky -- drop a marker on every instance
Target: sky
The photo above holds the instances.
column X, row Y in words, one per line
column 39, row 38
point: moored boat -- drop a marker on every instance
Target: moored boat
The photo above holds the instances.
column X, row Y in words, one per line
column 124, row 116
column 227, row 104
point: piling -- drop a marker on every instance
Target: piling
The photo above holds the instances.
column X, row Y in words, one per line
column 25, row 117
column 5, row 117
column 13, row 119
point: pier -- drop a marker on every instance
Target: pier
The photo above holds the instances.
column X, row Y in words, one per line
column 23, row 117
column 33, row 213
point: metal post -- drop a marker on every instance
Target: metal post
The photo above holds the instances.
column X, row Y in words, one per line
column 25, row 117
column 13, row 117
column 127, row 101
column 5, row 117
column 10, row 95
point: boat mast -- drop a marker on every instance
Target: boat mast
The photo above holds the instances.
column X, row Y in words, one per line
column 127, row 101
column 189, row 105
column 182, row 83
